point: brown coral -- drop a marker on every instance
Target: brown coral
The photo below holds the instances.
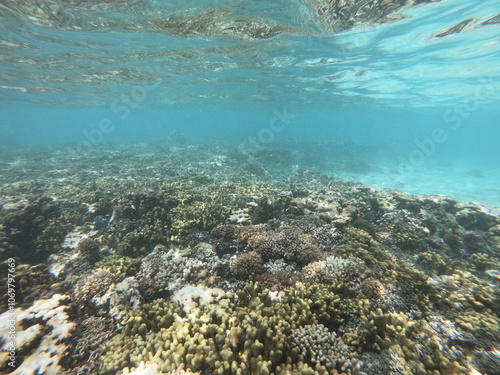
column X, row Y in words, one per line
column 89, row 249
column 92, row 286
column 315, row 272
column 372, row 288
column 281, row 280
column 287, row 242
column 33, row 283
column 247, row 265
column 88, row 345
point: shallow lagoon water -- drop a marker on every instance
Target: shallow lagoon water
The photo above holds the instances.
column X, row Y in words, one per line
column 303, row 187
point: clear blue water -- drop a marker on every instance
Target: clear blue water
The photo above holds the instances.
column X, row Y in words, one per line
column 418, row 96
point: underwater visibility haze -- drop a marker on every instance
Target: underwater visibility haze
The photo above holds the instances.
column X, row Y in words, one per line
column 236, row 187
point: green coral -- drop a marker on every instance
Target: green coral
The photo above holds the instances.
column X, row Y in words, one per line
column 483, row 262
column 475, row 305
column 411, row 341
column 120, row 266
column 434, row 263
column 253, row 335
column 407, row 237
column 360, row 244
column 247, row 336
column 389, row 270
column 200, row 215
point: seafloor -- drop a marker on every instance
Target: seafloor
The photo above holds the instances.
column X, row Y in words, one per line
column 217, row 259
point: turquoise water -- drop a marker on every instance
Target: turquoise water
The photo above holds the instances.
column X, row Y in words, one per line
column 238, row 187
column 68, row 69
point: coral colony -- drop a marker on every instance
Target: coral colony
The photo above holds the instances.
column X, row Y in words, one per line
column 187, row 267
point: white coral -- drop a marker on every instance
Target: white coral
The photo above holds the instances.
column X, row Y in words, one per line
column 53, row 330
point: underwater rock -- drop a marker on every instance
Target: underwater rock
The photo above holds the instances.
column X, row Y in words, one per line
column 124, row 297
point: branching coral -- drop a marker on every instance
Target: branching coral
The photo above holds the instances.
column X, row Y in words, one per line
column 286, row 242
column 89, row 290
column 247, row 265
column 317, row 345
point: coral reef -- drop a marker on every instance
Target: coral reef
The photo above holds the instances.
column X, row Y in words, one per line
column 278, row 280
column 175, row 269
column 316, row 272
column 30, row 228
column 32, row 283
column 248, row 335
column 348, row 269
column 191, row 296
column 163, row 272
column 140, row 220
column 87, row 345
column 124, row 297
column 120, row 266
column 372, row 288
